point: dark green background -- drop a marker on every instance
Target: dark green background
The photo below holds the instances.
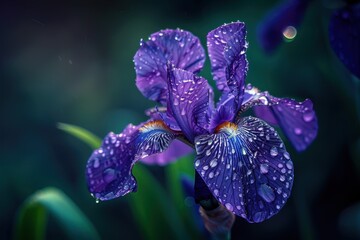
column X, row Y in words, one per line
column 67, row 62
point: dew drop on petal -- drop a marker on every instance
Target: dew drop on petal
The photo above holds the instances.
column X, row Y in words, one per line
column 213, row 163
column 297, row 131
column 197, row 163
column 286, row 155
column 289, row 165
column 264, row 168
column 229, row 206
column 308, row 117
column 259, row 217
column 273, row 151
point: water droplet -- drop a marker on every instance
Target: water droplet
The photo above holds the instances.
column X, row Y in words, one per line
column 297, row 131
column 308, row 117
column 263, row 100
column 289, row 165
column 243, row 151
column 208, row 152
column 266, row 192
column 286, row 155
column 213, row 163
column 216, row 192
column 282, row 178
column 229, row 206
column 97, row 200
column 280, row 165
column 197, row 163
column 211, row 174
column 96, row 163
column 264, row 168
column 278, row 207
column 290, row 33
column 273, row 151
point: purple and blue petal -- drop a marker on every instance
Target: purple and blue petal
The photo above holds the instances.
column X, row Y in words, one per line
column 344, row 31
column 189, row 98
column 297, row 120
column 288, row 13
column 227, row 46
column 180, row 48
column 109, row 169
column 175, row 150
column 247, row 168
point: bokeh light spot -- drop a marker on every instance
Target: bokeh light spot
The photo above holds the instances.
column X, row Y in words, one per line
column 289, row 33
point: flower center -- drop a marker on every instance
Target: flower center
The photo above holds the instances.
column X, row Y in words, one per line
column 228, row 127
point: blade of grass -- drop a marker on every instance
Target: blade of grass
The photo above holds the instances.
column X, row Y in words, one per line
column 32, row 217
column 81, row 133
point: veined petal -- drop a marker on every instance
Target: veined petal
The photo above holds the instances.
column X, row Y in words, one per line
column 247, row 168
column 109, row 167
column 288, row 13
column 108, row 170
column 227, row 46
column 179, row 47
column 344, row 31
column 189, row 97
column 297, row 120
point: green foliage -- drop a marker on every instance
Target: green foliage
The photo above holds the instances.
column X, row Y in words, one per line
column 82, row 134
column 32, row 218
column 152, row 201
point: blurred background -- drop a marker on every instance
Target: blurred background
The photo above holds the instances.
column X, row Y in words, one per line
column 72, row 63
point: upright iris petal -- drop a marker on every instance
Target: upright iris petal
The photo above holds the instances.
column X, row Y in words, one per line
column 109, row 167
column 227, row 45
column 179, row 47
column 189, row 101
column 344, row 34
column 247, row 168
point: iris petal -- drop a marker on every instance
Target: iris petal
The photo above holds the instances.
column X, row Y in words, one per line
column 189, row 101
column 109, row 167
column 296, row 119
column 227, row 45
column 108, row 170
column 179, row 47
column 247, row 168
column 344, row 33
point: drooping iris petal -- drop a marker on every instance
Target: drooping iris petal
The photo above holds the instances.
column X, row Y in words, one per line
column 189, row 101
column 227, row 45
column 109, row 167
column 179, row 47
column 288, row 14
column 247, row 168
column 108, row 170
column 176, row 150
column 296, row 119
column 344, row 31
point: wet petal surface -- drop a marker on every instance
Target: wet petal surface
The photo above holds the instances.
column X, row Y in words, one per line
column 247, row 168
column 179, row 47
column 189, row 101
column 109, row 168
column 227, row 46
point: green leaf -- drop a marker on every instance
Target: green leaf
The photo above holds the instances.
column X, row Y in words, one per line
column 173, row 173
column 86, row 136
column 153, row 209
column 32, row 217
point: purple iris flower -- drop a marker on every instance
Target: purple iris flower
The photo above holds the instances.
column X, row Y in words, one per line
column 241, row 162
